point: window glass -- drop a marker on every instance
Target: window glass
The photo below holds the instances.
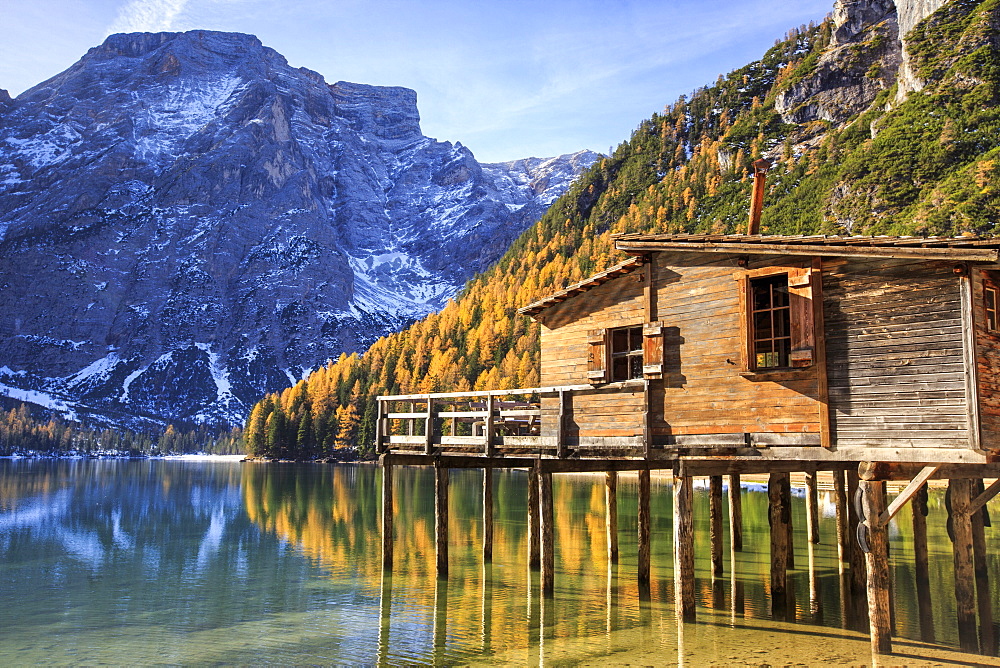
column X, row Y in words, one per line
column 990, row 297
column 626, row 353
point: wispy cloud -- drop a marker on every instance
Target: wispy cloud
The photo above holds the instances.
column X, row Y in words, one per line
column 147, row 16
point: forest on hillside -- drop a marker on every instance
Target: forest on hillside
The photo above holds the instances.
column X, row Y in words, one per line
column 927, row 166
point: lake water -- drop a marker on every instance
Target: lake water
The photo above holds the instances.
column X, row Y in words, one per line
column 140, row 562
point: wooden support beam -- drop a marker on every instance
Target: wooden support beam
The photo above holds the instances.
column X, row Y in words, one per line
column 819, row 335
column 921, row 565
column 561, row 427
column 715, row 522
column 812, row 508
column 644, row 527
column 441, row 519
column 877, row 562
column 786, row 492
column 987, row 634
column 985, row 496
column 683, row 548
column 843, row 534
column 379, row 429
column 487, row 515
column 965, row 575
column 859, row 576
column 779, row 514
column 534, row 541
column 547, row 536
column 429, row 428
column 897, row 504
column 488, row 426
column 908, row 471
column 611, row 516
column 387, row 506
column 735, row 513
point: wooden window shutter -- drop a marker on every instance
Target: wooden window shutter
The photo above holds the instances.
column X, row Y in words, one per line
column 803, row 331
column 597, row 359
column 652, row 350
column 743, row 286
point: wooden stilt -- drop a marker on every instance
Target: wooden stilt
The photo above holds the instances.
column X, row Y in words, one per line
column 921, row 565
column 812, row 508
column 387, row 516
column 441, row 518
column 843, row 533
column 644, row 527
column 735, row 513
column 487, row 514
column 683, row 548
column 440, row 620
column 611, row 516
column 965, row 575
column 987, row 636
column 859, row 577
column 786, row 492
column 778, row 515
column 547, row 539
column 534, row 561
column 877, row 561
column 715, row 522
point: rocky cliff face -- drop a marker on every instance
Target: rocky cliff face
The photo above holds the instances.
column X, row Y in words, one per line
column 187, row 222
column 866, row 56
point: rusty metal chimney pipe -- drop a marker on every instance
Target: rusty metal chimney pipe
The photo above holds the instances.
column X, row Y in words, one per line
column 760, row 168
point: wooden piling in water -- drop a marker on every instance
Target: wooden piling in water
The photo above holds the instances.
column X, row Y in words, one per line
column 441, row 518
column 387, row 516
column 546, row 534
column 534, row 561
column 877, row 563
column 683, row 548
column 965, row 576
column 843, row 534
column 859, row 576
column 715, row 522
column 611, row 515
column 987, row 635
column 921, row 565
column 812, row 508
column 644, row 527
column 778, row 515
column 786, row 492
column 735, row 513
column 487, row 514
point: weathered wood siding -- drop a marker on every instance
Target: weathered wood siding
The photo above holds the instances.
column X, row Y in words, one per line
column 617, row 411
column 894, row 354
column 987, row 363
column 703, row 391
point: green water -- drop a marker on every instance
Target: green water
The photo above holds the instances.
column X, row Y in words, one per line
column 180, row 562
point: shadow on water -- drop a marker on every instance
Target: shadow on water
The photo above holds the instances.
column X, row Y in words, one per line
column 139, row 562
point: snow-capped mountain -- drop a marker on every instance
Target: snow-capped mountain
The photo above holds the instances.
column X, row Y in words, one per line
column 187, row 222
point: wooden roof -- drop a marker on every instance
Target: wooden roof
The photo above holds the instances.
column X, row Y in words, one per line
column 959, row 249
column 597, row 279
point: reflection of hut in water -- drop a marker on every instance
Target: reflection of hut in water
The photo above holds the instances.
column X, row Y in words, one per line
column 875, row 358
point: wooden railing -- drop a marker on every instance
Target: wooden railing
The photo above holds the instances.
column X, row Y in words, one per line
column 486, row 422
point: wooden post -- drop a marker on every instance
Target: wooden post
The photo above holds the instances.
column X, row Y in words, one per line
column 877, row 563
column 786, row 492
column 683, row 548
column 812, row 508
column 548, row 543
column 859, row 577
column 778, row 515
column 386, row 516
column 561, row 426
column 987, row 637
column 441, row 518
column 735, row 513
column 487, row 514
column 488, row 427
column 843, row 533
column 921, row 565
column 965, row 575
column 611, row 517
column 715, row 521
column 379, row 428
column 644, row 526
column 429, row 428
column 534, row 561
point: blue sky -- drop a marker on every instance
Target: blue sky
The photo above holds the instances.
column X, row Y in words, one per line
column 507, row 78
